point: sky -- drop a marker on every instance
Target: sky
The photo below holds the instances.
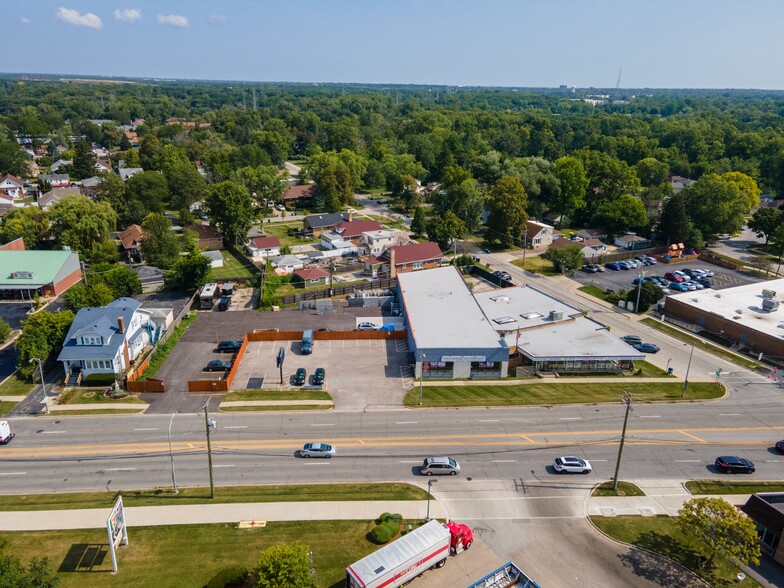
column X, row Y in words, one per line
column 523, row 43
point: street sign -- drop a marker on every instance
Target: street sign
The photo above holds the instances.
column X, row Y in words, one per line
column 281, row 356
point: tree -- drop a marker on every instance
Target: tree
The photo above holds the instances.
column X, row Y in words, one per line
column 465, row 201
column 622, row 214
column 120, row 279
column 419, row 222
column 151, row 190
column 263, row 180
column 78, row 222
column 722, row 528
column 190, row 272
column 13, row 159
column 573, row 181
column 186, row 217
column 36, row 574
column 747, row 186
column 160, row 245
column 777, row 244
column 650, row 294
column 104, row 251
column 111, row 189
column 230, row 207
column 715, row 206
column 30, row 223
column 674, row 224
column 284, row 566
column 79, row 296
column 186, row 184
column 42, row 333
column 334, row 186
column 83, row 160
column 565, row 260
column 442, row 228
column 151, row 153
column 652, row 172
column 507, row 217
column 5, row 330
column 765, row 221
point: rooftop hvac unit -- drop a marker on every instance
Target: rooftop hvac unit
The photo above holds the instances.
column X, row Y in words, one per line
column 770, row 305
column 556, row 315
column 768, row 293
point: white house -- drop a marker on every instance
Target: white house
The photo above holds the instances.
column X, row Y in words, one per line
column 12, row 186
column 376, row 242
column 263, row 247
column 590, row 248
column 129, row 172
column 334, row 241
column 631, row 241
column 287, row 263
column 538, row 235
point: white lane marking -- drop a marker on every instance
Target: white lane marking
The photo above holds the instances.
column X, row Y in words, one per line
column 688, row 460
column 650, row 416
column 119, row 469
column 729, row 414
column 406, row 423
column 236, row 427
column 318, row 463
column 147, row 429
column 13, row 473
column 504, row 460
column 415, row 461
column 772, row 461
column 53, row 432
column 489, row 421
column 570, row 418
column 322, row 424
column 600, row 460
column 223, row 465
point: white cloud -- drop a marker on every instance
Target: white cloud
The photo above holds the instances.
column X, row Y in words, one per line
column 174, row 20
column 128, row 14
column 25, row 20
column 72, row 17
column 216, row 19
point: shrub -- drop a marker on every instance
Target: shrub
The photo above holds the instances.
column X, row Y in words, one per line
column 100, row 379
column 235, row 575
column 384, row 532
column 388, row 516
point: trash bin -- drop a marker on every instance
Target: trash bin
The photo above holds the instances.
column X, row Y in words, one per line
column 669, row 371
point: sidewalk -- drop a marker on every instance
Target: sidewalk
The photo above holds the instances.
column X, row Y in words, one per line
column 562, row 380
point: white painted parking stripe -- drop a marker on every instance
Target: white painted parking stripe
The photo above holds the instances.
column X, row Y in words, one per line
column 13, row 473
column 119, row 469
column 147, row 429
column 595, row 460
column 236, row 427
column 504, row 460
column 223, row 465
column 409, row 461
column 53, row 432
column 406, row 423
column 489, row 421
column 570, row 418
column 650, row 416
column 729, row 414
column 688, row 460
column 322, row 424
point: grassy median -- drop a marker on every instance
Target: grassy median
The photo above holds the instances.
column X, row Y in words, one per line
column 272, row 395
column 708, row 487
column 559, row 393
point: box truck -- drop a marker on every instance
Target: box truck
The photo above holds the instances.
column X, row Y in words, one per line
column 5, row 432
column 425, row 548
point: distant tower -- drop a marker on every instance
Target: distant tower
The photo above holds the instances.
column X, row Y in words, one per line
column 618, row 83
column 254, row 99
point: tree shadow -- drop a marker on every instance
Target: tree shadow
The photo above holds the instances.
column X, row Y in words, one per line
column 85, row 557
column 660, row 569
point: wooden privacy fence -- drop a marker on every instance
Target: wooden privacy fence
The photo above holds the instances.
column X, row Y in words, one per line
column 208, row 385
column 151, row 385
column 322, row 335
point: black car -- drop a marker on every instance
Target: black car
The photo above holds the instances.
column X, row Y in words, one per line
column 229, row 346
column 780, row 446
column 218, row 365
column 224, row 303
column 731, row 464
column 318, row 376
column 300, row 377
column 590, row 269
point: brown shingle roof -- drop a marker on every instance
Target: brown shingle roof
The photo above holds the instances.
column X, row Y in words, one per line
column 311, row 274
column 265, row 242
column 414, row 252
column 356, row 228
column 297, row 192
column 132, row 237
column 204, row 231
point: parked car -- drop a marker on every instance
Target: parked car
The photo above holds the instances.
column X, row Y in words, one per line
column 631, row 339
column 224, row 303
column 366, row 327
column 503, row 275
column 674, row 277
column 707, row 282
column 280, row 207
column 571, row 465
column 316, row 450
column 678, row 287
column 318, row 376
column 709, row 273
column 218, row 365
column 659, row 281
column 689, row 285
column 732, row 464
column 681, row 274
column 590, row 269
column 599, row 268
column 300, row 377
column 229, row 346
column 439, row 466
column 646, row 347
column 613, row 265
column 697, row 284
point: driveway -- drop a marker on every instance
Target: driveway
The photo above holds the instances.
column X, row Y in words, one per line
column 737, row 246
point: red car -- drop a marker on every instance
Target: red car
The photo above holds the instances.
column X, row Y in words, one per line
column 673, row 277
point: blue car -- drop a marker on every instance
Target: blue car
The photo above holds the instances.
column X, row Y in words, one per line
column 678, row 287
column 613, row 266
column 646, row 348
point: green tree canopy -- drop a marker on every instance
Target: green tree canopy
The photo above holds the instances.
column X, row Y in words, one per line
column 507, row 217
column 715, row 206
column 674, row 224
column 120, row 279
column 190, row 272
column 36, row 574
column 78, row 222
column 186, row 185
column 150, row 190
column 284, row 566
column 622, row 214
column 573, row 182
column 765, row 221
column 747, row 186
column 83, row 160
column 42, row 334
column 30, row 223
column 79, row 296
column 650, row 294
column 419, row 222
column 443, row 228
column 230, row 207
column 465, row 200
column 652, row 172
column 565, row 260
column 160, row 245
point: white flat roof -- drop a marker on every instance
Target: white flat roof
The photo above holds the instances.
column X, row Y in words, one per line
column 441, row 311
column 521, row 307
column 741, row 304
column 578, row 339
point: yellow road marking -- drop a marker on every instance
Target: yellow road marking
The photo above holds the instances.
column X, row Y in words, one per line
column 692, row 436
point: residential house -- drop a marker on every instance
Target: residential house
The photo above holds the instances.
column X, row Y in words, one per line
column 352, row 230
column 632, row 241
column 263, row 247
column 411, row 257
column 590, row 248
column 376, row 242
column 207, row 237
column 300, row 193
column 538, row 235
column 12, row 186
column 15, row 245
column 334, row 242
column 678, row 183
column 592, row 234
column 60, row 163
column 316, row 224
column 131, row 243
column 56, row 180
column 215, row 257
column 107, row 339
column 375, row 267
column 133, row 138
column 90, row 185
column 287, row 263
column 151, row 277
column 25, row 274
column 308, row 278
column 766, row 509
column 103, row 165
column 129, row 172
column 55, row 195
column 6, row 199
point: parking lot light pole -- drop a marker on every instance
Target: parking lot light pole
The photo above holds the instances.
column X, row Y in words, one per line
column 171, row 456
column 640, row 276
column 430, row 482
column 421, row 368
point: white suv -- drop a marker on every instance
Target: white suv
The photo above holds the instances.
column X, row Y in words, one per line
column 572, row 465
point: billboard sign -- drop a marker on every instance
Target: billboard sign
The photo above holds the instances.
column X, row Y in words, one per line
column 116, row 530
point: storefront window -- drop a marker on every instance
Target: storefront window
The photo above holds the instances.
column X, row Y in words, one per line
column 437, row 369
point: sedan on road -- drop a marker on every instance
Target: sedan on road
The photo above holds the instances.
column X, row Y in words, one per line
column 316, row 450
column 503, row 275
column 732, row 464
column 780, row 446
column 646, row 347
column 218, row 365
column 571, row 465
column 439, row 466
column 631, row 339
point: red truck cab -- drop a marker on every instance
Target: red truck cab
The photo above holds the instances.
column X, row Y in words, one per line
column 461, row 537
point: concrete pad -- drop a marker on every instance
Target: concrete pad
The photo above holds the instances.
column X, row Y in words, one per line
column 462, row 569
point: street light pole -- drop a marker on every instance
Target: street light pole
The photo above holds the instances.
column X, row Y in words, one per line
column 430, row 483
column 43, row 382
column 171, row 456
column 421, row 368
column 208, row 425
column 640, row 276
column 688, row 367
column 627, row 400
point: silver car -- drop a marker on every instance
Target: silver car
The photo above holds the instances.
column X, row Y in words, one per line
column 439, row 466
column 316, row 450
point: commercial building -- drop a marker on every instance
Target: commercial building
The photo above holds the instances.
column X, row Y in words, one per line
column 766, row 509
column 750, row 316
column 25, row 274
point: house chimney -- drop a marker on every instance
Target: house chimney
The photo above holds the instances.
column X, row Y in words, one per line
column 121, row 324
column 350, row 216
column 392, row 267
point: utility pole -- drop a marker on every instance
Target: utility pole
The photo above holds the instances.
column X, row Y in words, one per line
column 688, row 367
column 421, row 369
column 640, row 276
column 627, row 400
column 171, row 456
column 209, row 424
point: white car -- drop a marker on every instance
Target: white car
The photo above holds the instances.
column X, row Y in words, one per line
column 572, row 465
column 280, row 207
column 316, row 450
column 366, row 327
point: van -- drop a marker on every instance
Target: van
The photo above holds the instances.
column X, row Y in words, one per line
column 306, row 346
column 5, row 432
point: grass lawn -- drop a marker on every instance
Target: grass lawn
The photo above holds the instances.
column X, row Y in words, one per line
column 388, row 222
column 537, row 265
column 281, row 231
column 232, row 268
column 701, row 487
column 660, row 535
column 624, row 489
column 95, row 411
column 15, row 387
column 81, row 396
column 162, row 350
column 594, row 291
column 700, row 344
column 276, row 408
column 277, row 395
column 184, row 556
column 5, row 406
column 648, row 370
column 558, row 393
column 223, row 495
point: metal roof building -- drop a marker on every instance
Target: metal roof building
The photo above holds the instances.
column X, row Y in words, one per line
column 49, row 273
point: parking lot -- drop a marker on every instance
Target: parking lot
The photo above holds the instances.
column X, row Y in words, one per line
column 615, row 280
column 361, row 374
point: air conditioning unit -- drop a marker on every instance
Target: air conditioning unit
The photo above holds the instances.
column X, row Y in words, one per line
column 768, row 293
column 556, row 315
column 770, row 305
